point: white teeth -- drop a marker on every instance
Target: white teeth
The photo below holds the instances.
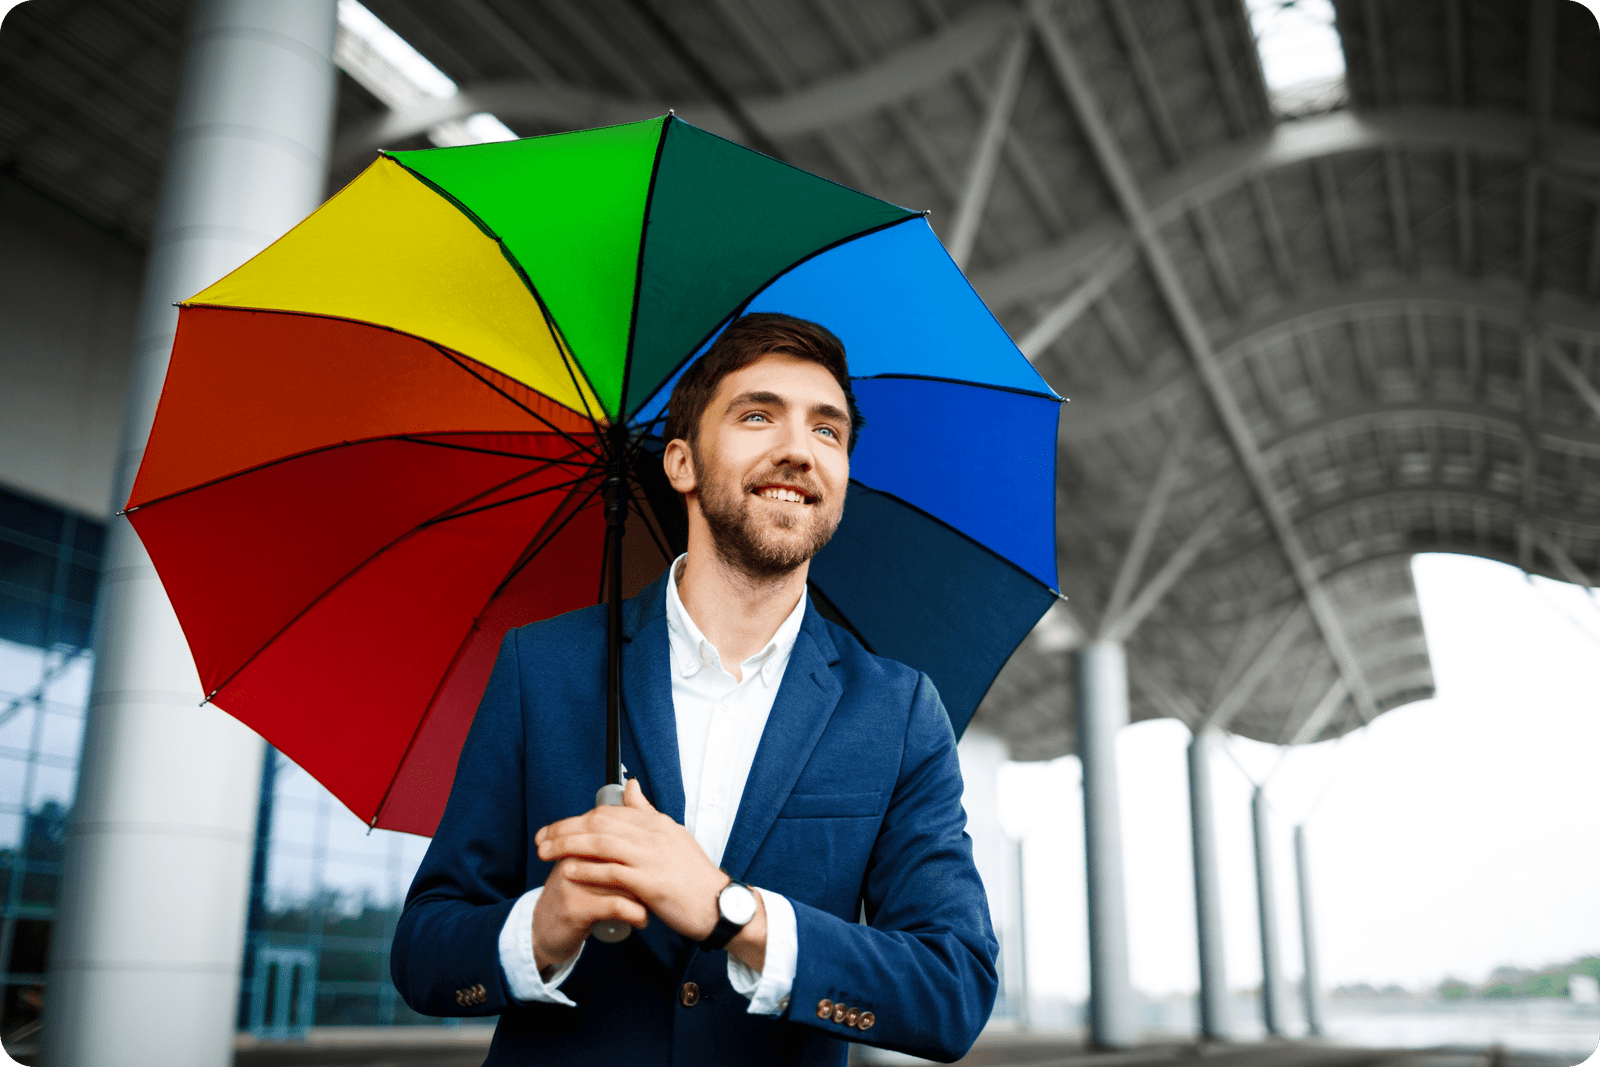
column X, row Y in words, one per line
column 773, row 492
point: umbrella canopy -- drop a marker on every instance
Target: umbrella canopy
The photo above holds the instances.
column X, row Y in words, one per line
column 384, row 440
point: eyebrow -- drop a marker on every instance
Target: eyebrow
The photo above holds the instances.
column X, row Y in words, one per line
column 762, row 396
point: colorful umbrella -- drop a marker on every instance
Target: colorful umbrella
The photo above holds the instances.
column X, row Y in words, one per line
column 389, row 437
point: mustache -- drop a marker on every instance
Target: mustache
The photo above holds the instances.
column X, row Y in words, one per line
column 788, row 480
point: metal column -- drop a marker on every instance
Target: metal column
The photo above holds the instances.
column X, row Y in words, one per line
column 145, row 965
column 1215, row 1022
column 1308, row 940
column 1101, row 678
column 1271, row 974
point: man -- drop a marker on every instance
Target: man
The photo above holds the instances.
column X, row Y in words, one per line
column 786, row 783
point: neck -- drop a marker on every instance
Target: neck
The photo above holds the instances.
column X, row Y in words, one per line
column 737, row 613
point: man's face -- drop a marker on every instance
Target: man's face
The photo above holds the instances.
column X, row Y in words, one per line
column 771, row 463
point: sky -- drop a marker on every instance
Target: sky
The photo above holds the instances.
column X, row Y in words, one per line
column 1451, row 836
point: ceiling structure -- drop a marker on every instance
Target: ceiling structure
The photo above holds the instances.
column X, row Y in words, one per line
column 1298, row 350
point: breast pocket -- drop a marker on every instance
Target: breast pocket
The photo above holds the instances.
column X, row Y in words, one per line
column 832, row 806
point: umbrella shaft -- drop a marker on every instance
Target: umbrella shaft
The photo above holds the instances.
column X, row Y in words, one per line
column 616, row 518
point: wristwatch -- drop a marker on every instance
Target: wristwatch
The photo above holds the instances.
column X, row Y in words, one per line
column 736, row 905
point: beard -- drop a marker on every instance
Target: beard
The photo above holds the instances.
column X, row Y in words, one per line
column 762, row 548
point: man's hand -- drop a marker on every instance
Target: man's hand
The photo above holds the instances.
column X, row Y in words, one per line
column 637, row 851
column 567, row 909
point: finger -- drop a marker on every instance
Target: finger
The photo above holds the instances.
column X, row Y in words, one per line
column 597, row 873
column 633, row 796
column 599, row 846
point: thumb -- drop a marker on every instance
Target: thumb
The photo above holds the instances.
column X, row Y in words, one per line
column 633, row 796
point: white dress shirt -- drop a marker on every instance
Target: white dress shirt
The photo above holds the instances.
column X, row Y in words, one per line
column 720, row 722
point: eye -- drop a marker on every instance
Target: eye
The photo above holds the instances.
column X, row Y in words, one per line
column 829, row 430
column 755, row 415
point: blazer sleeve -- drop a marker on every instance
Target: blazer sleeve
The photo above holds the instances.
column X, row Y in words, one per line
column 446, row 959
column 925, row 966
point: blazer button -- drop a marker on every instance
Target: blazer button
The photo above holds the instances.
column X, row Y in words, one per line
column 866, row 1021
column 689, row 994
column 838, row 1012
column 852, row 1016
column 824, row 1008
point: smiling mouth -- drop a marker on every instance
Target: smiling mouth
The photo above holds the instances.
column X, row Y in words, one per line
column 783, row 492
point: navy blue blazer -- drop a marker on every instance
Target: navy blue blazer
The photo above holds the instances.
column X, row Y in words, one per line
column 854, row 801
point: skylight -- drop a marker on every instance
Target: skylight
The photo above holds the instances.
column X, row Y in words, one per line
column 1301, row 54
column 385, row 64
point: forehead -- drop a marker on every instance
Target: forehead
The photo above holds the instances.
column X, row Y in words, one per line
column 799, row 381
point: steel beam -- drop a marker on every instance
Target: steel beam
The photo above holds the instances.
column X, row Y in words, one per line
column 1085, row 104
column 1268, row 656
column 1585, row 389
column 1144, row 75
column 1322, row 713
column 1399, row 207
column 830, row 102
column 986, row 153
column 1481, row 418
column 1060, row 317
column 1149, row 521
column 1411, row 129
column 1160, row 583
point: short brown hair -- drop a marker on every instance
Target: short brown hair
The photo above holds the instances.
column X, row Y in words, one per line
column 746, row 340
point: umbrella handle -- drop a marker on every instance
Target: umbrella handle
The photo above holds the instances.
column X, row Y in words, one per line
column 610, row 930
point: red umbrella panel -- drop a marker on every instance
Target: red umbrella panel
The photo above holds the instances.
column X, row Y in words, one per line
column 413, row 496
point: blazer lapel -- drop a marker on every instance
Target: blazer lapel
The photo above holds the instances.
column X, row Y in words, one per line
column 650, row 738
column 805, row 703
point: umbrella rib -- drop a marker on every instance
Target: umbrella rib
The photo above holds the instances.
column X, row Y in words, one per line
column 903, row 502
column 535, row 547
column 457, row 360
column 320, row 597
column 646, row 517
column 638, row 265
column 764, row 286
column 453, row 356
column 439, row 442
column 210, row 482
column 533, row 290
column 502, row 503
column 893, row 376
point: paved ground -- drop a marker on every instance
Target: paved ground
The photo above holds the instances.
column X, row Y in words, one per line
column 465, row 1047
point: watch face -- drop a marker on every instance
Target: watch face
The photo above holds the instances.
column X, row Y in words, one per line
column 737, row 904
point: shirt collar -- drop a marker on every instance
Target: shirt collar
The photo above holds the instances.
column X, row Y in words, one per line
column 691, row 652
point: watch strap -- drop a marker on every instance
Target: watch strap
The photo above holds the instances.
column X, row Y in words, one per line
column 726, row 929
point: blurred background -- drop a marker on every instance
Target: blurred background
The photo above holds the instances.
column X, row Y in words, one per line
column 1308, row 748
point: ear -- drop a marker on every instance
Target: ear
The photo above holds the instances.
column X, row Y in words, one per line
column 679, row 465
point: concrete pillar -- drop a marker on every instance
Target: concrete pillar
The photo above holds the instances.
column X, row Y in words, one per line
column 1019, row 957
column 981, row 755
column 1101, row 678
column 1271, row 971
column 1308, row 941
column 145, row 962
column 1215, row 1021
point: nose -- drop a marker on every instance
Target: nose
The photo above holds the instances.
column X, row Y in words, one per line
column 793, row 449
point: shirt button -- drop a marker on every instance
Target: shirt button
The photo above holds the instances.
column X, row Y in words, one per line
column 714, row 799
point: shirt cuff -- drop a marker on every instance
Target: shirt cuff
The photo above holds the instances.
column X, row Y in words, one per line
column 516, row 956
column 769, row 989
